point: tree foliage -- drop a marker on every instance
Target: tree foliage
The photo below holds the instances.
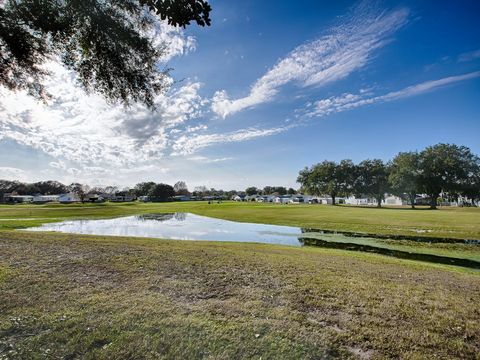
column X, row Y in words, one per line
column 404, row 175
column 161, row 192
column 81, row 190
column 143, row 188
column 181, row 188
column 446, row 168
column 329, row 178
column 105, row 42
column 372, row 179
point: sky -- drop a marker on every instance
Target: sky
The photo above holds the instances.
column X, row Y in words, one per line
column 269, row 88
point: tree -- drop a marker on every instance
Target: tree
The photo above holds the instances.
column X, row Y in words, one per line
column 291, row 191
column 252, row 190
column 143, row 188
column 372, row 179
column 280, row 190
column 80, row 190
column 446, row 168
column 7, row 186
column 181, row 188
column 404, row 175
column 267, row 190
column 200, row 191
column 329, row 178
column 471, row 189
column 50, row 187
column 161, row 192
column 104, row 41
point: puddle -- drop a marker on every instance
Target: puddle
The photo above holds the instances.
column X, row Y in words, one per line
column 187, row 226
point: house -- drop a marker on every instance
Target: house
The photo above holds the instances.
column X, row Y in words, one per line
column 68, row 198
column 251, row 197
column 238, row 198
column 394, row 200
column 360, row 200
column 42, row 199
column 264, row 198
column 144, row 198
column 95, row 198
column 181, row 198
column 364, row 200
column 282, row 199
column 13, row 198
column 121, row 198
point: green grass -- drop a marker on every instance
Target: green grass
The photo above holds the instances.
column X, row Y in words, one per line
column 71, row 296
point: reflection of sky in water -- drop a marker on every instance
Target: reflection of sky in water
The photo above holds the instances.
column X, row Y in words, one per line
column 180, row 226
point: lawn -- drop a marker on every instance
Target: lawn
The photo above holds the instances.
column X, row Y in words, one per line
column 72, row 296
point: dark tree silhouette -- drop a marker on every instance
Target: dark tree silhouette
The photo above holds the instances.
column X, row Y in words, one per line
column 103, row 41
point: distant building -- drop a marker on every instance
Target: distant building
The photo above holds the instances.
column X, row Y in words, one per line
column 14, row 198
column 364, row 200
column 181, row 198
column 42, row 199
column 68, row 198
column 119, row 198
column 265, row 198
column 282, row 199
column 238, row 198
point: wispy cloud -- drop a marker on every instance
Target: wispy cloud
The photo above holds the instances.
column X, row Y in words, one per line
column 469, row 56
column 189, row 144
column 207, row 160
column 345, row 48
column 349, row 101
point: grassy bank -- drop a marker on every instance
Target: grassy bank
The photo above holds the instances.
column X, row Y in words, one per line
column 79, row 296
column 460, row 223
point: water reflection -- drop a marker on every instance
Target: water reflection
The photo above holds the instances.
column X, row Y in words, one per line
column 186, row 226
column 390, row 252
column 180, row 226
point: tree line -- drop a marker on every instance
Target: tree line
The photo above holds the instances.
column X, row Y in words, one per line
column 443, row 169
column 155, row 191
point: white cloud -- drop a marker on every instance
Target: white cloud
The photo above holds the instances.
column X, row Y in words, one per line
column 348, row 101
column 172, row 39
column 11, row 173
column 189, row 144
column 87, row 130
column 206, row 160
column 346, row 48
column 469, row 56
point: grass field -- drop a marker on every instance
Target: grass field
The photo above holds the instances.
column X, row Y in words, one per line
column 69, row 296
column 72, row 296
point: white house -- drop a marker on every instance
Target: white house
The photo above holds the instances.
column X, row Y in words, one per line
column 181, row 198
column 282, row 199
column 394, row 200
column 265, row 198
column 16, row 199
column 45, row 198
column 301, row 199
column 238, row 198
column 369, row 201
column 68, row 198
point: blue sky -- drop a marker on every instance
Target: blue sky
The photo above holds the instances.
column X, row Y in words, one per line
column 269, row 88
